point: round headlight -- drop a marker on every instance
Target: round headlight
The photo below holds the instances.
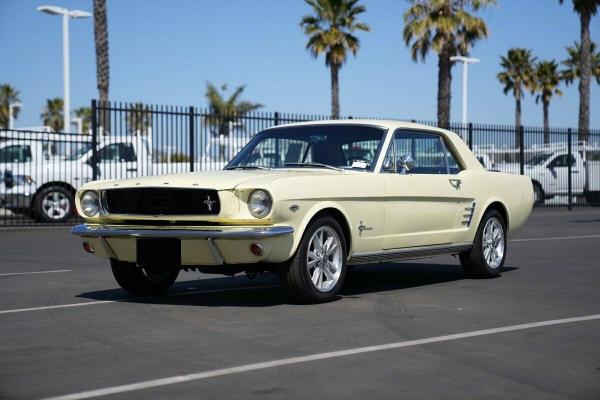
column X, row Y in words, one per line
column 259, row 203
column 90, row 203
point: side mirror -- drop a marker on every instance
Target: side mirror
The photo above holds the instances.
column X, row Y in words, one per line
column 405, row 163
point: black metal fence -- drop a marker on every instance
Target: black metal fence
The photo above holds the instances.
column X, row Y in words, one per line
column 41, row 170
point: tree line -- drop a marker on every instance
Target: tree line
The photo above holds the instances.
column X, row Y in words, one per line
column 445, row 27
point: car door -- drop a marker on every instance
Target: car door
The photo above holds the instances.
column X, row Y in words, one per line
column 422, row 202
column 117, row 161
column 558, row 176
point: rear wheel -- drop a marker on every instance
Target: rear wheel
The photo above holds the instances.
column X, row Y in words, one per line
column 142, row 281
column 316, row 272
column 486, row 257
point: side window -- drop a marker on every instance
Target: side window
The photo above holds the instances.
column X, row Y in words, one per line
column 428, row 152
column 117, row 152
column 19, row 153
column 562, row 161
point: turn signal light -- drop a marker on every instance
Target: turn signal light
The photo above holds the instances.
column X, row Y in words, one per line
column 87, row 246
column 256, row 249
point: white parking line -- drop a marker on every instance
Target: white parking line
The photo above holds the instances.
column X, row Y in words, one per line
column 92, row 303
column 35, row 272
column 312, row 357
column 556, row 238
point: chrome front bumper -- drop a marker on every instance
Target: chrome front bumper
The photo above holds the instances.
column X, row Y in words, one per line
column 224, row 232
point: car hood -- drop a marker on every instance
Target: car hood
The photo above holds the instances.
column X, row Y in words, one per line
column 218, row 180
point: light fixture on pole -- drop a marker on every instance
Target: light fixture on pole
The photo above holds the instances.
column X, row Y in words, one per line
column 465, row 62
column 11, row 114
column 66, row 14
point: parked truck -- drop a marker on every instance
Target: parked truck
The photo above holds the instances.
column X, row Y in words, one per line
column 40, row 172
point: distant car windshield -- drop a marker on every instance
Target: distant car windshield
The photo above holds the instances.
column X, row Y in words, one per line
column 78, row 150
column 539, row 159
column 312, row 146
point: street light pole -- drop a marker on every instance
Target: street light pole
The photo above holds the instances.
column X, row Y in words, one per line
column 66, row 14
column 11, row 114
column 465, row 62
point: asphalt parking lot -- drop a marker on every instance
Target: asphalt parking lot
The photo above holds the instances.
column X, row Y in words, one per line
column 65, row 327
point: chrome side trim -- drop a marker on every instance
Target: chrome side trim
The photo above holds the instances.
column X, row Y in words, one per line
column 88, row 230
column 408, row 253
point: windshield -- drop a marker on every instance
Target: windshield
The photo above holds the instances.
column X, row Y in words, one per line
column 78, row 150
column 313, row 146
column 537, row 160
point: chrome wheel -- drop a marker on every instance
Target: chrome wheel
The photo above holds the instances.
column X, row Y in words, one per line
column 324, row 259
column 493, row 243
column 56, row 205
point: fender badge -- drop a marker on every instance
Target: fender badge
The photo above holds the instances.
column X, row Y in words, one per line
column 362, row 227
column 294, row 207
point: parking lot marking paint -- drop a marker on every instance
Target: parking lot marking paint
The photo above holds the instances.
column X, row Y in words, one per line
column 556, row 238
column 35, row 272
column 91, row 303
column 312, row 357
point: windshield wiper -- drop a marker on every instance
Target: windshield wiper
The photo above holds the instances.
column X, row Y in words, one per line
column 312, row 165
column 247, row 167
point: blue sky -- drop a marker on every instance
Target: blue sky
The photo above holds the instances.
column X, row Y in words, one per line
column 164, row 52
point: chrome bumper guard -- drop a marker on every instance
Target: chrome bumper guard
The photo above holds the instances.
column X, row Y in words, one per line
column 223, row 232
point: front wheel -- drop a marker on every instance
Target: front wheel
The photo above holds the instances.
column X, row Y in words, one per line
column 139, row 281
column 316, row 272
column 486, row 257
column 54, row 204
column 538, row 194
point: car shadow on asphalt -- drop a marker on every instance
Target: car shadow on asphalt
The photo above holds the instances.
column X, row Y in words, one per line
column 264, row 291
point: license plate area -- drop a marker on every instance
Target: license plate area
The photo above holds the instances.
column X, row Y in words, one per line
column 158, row 253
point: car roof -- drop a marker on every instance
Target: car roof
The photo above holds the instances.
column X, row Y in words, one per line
column 383, row 123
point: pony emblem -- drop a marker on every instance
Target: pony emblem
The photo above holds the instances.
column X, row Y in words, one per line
column 209, row 203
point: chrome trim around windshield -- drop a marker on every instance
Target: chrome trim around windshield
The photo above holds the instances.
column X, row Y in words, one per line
column 90, row 230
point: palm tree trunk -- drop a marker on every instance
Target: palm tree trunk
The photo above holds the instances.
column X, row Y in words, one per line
column 335, row 91
column 102, row 64
column 546, row 104
column 444, row 86
column 584, row 81
column 517, row 120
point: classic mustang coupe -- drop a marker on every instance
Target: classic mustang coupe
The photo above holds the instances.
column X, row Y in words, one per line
column 307, row 201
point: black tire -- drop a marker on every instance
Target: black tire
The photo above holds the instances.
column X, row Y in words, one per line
column 294, row 274
column 538, row 194
column 137, row 281
column 473, row 261
column 43, row 213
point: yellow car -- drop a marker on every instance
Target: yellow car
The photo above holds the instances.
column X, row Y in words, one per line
column 306, row 201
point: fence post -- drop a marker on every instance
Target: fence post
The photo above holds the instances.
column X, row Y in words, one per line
column 470, row 135
column 276, row 118
column 570, row 167
column 191, row 127
column 522, row 149
column 94, row 160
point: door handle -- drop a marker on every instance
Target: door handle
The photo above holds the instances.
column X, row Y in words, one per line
column 575, row 172
column 131, row 169
column 456, row 183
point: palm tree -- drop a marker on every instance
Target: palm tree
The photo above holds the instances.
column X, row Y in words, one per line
column 139, row 119
column 572, row 70
column 448, row 28
column 330, row 30
column 517, row 76
column 547, row 79
column 586, row 10
column 52, row 115
column 223, row 111
column 85, row 113
column 8, row 95
column 102, row 64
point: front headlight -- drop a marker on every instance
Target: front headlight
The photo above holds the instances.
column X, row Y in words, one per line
column 90, row 203
column 259, row 203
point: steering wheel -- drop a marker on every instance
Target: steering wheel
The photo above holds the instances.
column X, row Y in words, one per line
column 369, row 163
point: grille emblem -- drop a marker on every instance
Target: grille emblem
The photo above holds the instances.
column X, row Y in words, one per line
column 209, row 203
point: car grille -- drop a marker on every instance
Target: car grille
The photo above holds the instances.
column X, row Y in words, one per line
column 161, row 201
